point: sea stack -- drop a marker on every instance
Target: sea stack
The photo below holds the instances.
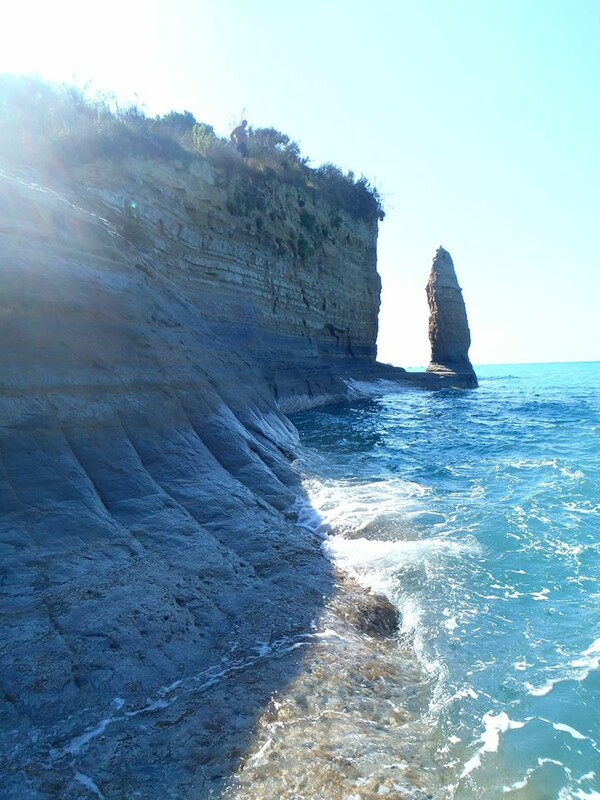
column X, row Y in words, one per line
column 449, row 333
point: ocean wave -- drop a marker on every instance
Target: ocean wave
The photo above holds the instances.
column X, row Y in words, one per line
column 533, row 463
column 380, row 556
column 578, row 669
column 582, row 507
column 477, row 515
column 494, row 725
column 350, row 507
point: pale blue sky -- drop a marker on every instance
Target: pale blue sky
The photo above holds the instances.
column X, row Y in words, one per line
column 478, row 121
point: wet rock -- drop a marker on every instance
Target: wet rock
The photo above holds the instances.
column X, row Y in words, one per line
column 350, row 724
column 367, row 612
column 376, row 616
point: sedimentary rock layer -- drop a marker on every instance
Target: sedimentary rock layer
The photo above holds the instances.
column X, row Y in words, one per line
column 156, row 588
column 145, row 490
column 449, row 333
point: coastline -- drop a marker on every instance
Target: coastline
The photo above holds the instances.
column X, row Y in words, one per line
column 443, row 502
column 145, row 471
column 224, row 643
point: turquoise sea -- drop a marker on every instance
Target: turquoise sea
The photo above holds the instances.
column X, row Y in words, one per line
column 478, row 514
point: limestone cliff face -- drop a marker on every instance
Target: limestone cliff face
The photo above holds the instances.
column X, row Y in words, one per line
column 449, row 333
column 157, row 588
column 280, row 276
column 150, row 316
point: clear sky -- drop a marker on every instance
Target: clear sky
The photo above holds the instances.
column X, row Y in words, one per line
column 478, row 120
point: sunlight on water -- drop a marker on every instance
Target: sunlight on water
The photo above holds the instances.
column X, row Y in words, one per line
column 478, row 514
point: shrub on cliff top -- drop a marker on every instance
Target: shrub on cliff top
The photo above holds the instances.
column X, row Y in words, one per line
column 53, row 127
column 357, row 197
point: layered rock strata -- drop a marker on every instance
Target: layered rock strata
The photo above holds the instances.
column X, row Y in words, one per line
column 449, row 333
column 148, row 539
column 157, row 590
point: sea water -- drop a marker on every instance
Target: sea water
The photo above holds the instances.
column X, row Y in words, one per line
column 478, row 514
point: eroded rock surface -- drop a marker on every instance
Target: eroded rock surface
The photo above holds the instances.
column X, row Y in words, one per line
column 449, row 333
column 156, row 591
column 145, row 484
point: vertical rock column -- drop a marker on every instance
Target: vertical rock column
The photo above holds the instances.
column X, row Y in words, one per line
column 449, row 333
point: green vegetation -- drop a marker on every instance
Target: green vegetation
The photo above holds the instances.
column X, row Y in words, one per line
column 305, row 248
column 52, row 128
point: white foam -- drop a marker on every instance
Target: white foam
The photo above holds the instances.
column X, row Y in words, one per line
column 308, row 517
column 577, row 669
column 560, row 726
column 593, row 649
column 451, row 624
column 471, row 764
column 387, row 566
column 79, row 742
column 517, row 784
column 260, row 753
column 86, row 781
column 530, row 463
column 522, row 665
column 193, row 683
column 151, row 705
column 541, row 595
column 584, row 507
column 426, row 517
column 369, row 553
column 168, row 689
column 375, row 388
column 540, row 691
column 349, row 507
column 467, row 691
column 575, row 474
column 494, row 726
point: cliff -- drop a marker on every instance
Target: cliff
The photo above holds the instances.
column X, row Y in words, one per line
column 158, row 317
column 265, row 270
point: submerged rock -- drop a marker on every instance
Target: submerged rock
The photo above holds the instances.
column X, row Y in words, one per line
column 449, row 333
column 367, row 612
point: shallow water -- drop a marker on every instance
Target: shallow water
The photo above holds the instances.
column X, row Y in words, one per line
column 333, row 731
column 478, row 514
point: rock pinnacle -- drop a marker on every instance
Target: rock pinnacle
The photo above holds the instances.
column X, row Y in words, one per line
column 449, row 333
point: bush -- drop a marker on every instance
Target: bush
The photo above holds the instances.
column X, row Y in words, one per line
column 308, row 220
column 179, row 121
column 305, row 248
column 203, row 138
column 358, row 198
column 50, row 127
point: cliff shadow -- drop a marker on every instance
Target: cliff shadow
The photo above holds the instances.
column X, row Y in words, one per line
column 157, row 594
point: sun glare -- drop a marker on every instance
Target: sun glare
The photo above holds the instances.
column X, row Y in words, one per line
column 77, row 43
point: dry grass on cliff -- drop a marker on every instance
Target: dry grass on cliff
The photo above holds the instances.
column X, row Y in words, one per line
column 53, row 128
